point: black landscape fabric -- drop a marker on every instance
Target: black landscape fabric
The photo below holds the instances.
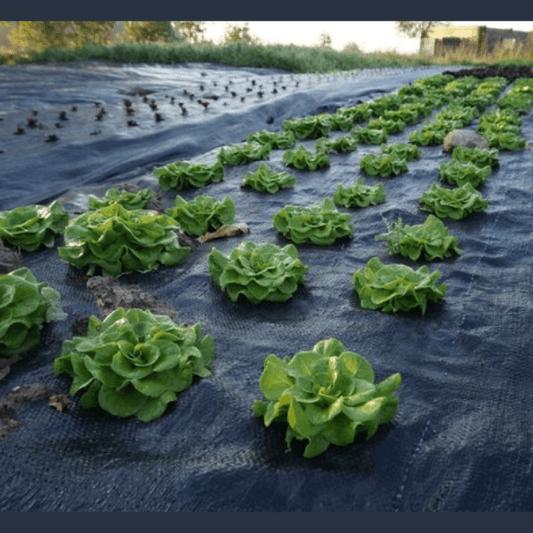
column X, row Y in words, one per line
column 462, row 439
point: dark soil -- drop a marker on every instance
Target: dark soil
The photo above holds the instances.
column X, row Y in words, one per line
column 23, row 396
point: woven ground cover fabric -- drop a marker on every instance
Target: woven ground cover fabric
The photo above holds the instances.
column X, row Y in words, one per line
column 462, row 438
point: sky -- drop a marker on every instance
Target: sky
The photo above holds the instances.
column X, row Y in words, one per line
column 371, row 36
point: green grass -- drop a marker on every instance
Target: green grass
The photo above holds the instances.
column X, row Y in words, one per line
column 297, row 59
column 292, row 58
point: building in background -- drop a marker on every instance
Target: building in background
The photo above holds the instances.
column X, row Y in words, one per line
column 476, row 38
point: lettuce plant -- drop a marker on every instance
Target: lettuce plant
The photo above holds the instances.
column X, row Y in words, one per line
column 235, row 154
column 396, row 287
column 310, row 127
column 405, row 114
column 25, row 305
column 383, row 165
column 264, row 179
column 455, row 203
column 134, row 363
column 428, row 135
column 389, row 125
column 325, row 395
column 458, row 173
column 519, row 103
column 505, row 140
column 282, row 140
column 182, row 174
column 429, row 240
column 32, row 226
column 355, row 114
column 407, row 151
column 117, row 240
column 257, row 272
column 359, row 194
column 322, row 224
column 129, row 200
column 201, row 214
column 502, row 116
column 369, row 135
column 303, row 159
column 341, row 144
column 477, row 155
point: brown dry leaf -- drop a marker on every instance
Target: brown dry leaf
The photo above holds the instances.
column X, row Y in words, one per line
column 232, row 230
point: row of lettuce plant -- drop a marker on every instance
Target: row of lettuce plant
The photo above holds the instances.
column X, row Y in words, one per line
column 324, row 410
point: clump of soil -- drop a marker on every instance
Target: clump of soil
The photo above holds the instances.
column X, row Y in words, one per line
column 110, row 295
column 23, row 396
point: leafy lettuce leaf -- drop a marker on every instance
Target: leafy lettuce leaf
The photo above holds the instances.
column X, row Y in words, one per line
column 129, row 200
column 264, row 179
column 134, row 363
column 480, row 157
column 392, row 288
column 201, row 214
column 407, row 151
column 389, row 125
column 257, row 272
column 455, row 203
column 310, row 127
column 430, row 240
column 369, row 135
column 25, row 305
column 383, row 165
column 117, row 240
column 326, row 395
column 359, row 194
column 282, row 140
column 303, row 159
column 182, row 174
column 322, row 224
column 235, row 154
column 342, row 144
column 458, row 173
column 32, row 226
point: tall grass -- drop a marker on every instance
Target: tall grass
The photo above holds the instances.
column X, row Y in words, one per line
column 297, row 59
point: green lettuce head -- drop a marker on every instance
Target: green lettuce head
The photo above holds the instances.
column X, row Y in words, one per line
column 202, row 214
column 456, row 203
column 182, row 174
column 322, row 224
column 25, row 305
column 264, row 179
column 429, row 240
column 32, row 226
column 258, row 272
column 129, row 200
column 118, row 240
column 326, row 396
column 134, row 362
column 392, row 288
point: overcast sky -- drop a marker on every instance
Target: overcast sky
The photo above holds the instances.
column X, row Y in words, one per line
column 372, row 36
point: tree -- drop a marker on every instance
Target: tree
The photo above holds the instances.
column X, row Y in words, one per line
column 189, row 30
column 418, row 28
column 351, row 48
column 150, row 31
column 239, row 34
column 40, row 35
column 325, row 40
